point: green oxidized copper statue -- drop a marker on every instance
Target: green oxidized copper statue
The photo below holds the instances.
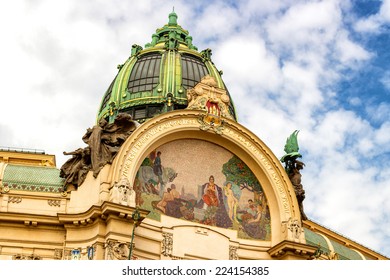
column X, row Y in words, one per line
column 292, row 167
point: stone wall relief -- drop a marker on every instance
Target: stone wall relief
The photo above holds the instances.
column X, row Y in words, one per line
column 14, row 199
column 117, row 250
column 22, row 257
column 167, row 244
column 58, row 254
column 54, row 202
column 233, row 253
column 293, row 230
column 122, row 193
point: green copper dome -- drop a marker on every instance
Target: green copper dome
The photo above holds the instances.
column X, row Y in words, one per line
column 155, row 80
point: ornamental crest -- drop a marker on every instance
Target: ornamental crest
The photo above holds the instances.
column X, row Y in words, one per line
column 206, row 96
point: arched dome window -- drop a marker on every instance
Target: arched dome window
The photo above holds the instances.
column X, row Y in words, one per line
column 107, row 96
column 193, row 70
column 145, row 74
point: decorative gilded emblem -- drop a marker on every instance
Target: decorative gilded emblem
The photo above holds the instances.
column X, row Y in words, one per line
column 206, row 96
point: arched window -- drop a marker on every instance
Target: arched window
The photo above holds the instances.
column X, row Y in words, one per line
column 145, row 74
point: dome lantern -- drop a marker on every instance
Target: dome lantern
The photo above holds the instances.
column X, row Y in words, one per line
column 172, row 18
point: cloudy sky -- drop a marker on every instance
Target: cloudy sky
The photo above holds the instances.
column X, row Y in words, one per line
column 317, row 66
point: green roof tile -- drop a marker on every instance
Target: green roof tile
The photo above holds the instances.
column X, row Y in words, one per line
column 33, row 178
column 315, row 239
column 344, row 252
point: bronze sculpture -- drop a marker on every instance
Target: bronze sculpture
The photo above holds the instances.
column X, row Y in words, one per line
column 293, row 167
column 104, row 141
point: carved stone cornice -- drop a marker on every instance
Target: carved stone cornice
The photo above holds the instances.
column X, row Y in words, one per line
column 28, row 219
column 285, row 249
column 102, row 211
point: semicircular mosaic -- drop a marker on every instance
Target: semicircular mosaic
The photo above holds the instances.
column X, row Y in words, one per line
column 202, row 182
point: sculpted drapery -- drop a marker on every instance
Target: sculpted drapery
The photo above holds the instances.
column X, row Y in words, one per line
column 104, row 141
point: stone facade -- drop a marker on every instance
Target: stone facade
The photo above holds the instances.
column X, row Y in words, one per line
column 97, row 220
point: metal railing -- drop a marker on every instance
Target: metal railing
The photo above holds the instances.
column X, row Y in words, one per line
column 22, row 150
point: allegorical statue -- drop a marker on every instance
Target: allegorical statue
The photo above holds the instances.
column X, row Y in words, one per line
column 75, row 169
column 293, row 167
column 104, row 141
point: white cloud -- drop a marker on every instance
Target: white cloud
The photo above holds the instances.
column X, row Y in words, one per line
column 301, row 88
column 218, row 25
column 355, row 101
column 304, row 24
column 382, row 136
column 349, row 52
column 371, row 24
column 385, row 11
column 375, row 22
column 258, row 68
column 385, row 80
column 378, row 112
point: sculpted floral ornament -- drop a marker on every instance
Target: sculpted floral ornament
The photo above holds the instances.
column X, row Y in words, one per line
column 208, row 122
column 4, row 189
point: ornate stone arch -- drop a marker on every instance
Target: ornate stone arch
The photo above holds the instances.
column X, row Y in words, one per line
column 184, row 124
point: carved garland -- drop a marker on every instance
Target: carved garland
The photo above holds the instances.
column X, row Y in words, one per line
column 14, row 199
column 26, row 257
column 55, row 203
